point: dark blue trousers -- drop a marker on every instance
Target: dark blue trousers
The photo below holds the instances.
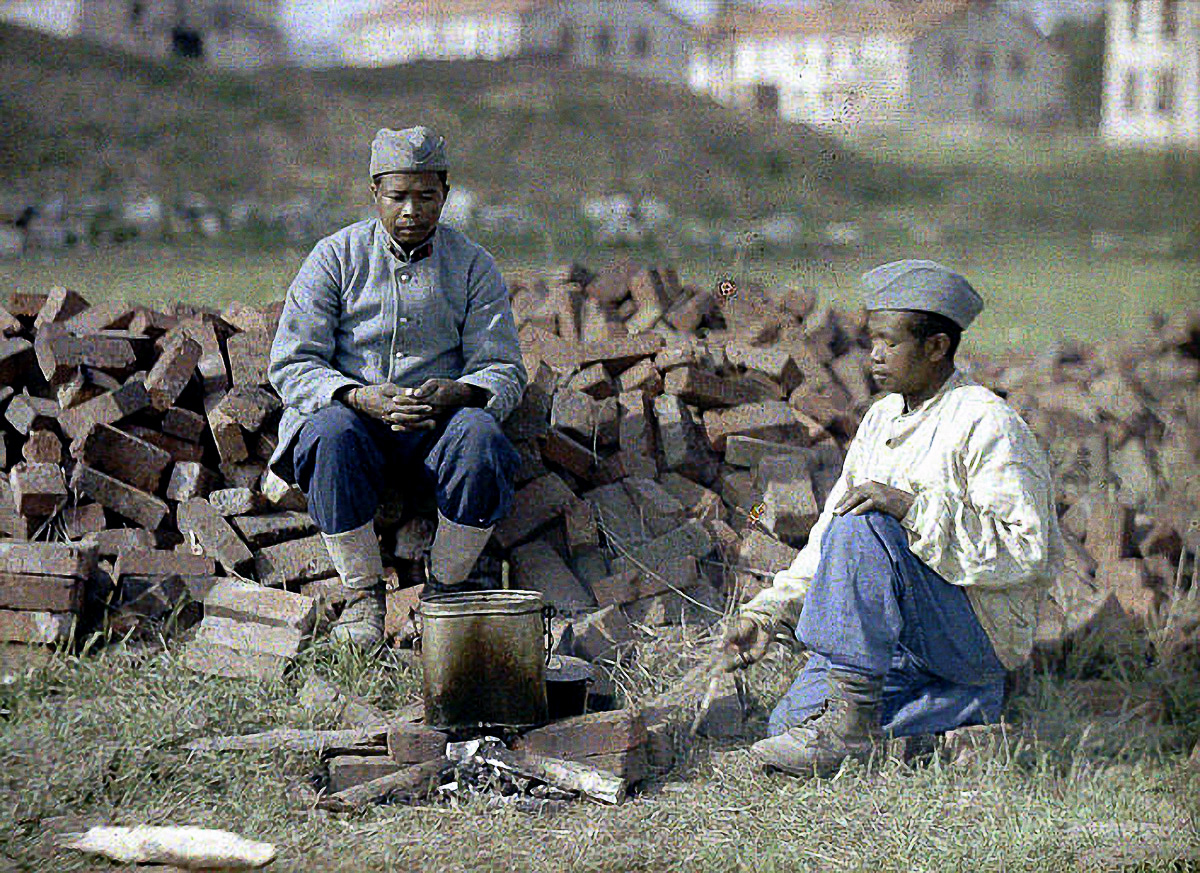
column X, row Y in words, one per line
column 876, row 609
column 342, row 459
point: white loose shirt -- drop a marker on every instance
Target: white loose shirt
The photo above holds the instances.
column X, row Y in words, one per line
column 983, row 516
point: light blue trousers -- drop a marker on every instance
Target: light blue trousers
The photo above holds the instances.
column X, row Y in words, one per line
column 876, row 609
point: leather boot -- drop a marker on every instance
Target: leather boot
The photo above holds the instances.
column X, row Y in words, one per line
column 846, row 727
column 456, row 547
column 355, row 555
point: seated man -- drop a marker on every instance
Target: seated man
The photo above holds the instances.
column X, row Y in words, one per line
column 397, row 356
column 921, row 581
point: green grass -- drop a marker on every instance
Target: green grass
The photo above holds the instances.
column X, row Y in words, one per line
column 1039, row 290
column 99, row 740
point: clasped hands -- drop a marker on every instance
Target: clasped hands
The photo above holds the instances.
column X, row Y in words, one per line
column 410, row 409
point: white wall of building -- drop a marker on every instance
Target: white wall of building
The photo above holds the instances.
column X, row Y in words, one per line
column 1151, row 76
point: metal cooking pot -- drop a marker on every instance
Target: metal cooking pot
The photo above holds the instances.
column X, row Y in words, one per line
column 483, row 656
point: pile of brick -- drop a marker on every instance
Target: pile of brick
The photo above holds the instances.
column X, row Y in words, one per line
column 677, row 445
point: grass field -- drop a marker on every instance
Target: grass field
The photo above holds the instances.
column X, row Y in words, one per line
column 98, row 740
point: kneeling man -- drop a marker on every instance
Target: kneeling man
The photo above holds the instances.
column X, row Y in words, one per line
column 921, row 581
column 397, row 356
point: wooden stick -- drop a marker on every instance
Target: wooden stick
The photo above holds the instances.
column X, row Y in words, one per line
column 407, row 785
column 567, row 775
column 293, row 740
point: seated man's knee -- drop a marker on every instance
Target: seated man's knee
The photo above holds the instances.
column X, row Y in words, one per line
column 853, row 528
column 334, row 428
column 475, row 433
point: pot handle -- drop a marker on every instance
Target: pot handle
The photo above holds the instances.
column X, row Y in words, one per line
column 548, row 612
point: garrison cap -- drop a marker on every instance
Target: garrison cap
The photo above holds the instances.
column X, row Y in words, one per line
column 926, row 286
column 412, row 150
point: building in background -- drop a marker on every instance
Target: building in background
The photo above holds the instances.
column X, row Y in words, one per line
column 1152, row 73
column 56, row 17
column 233, row 34
column 639, row 37
column 882, row 61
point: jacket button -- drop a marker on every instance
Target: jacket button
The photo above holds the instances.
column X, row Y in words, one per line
column 404, row 277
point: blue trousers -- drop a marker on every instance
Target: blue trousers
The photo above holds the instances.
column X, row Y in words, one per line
column 876, row 609
column 341, row 457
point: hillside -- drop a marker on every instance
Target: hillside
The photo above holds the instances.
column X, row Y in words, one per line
column 79, row 118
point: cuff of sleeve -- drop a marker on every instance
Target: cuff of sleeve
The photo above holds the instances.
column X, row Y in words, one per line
column 922, row 509
column 497, row 403
column 326, row 390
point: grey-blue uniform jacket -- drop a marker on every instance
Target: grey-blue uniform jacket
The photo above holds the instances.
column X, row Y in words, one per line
column 358, row 315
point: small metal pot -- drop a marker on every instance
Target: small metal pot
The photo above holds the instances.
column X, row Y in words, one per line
column 567, row 683
column 483, row 655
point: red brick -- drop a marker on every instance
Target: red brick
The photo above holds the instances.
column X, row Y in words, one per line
column 122, row 456
column 645, row 287
column 10, row 325
column 42, row 447
column 59, row 305
column 531, row 417
column 1109, row 531
column 108, row 408
column 26, row 304
column 157, row 562
column 46, row 628
column 137, row 506
column 184, row 424
column 249, row 407
column 348, row 771
column 267, row 530
column 707, row 390
column 60, row 354
column 25, row 591
column 293, row 562
column 593, row 381
column 26, row 413
column 38, row 489
column 684, row 448
column 537, row 567
column 47, row 559
column 637, row 432
column 249, row 356
column 772, row 419
column 580, row 529
column 250, row 636
column 401, row 603
column 79, row 521
column 773, row 362
column 85, row 385
column 572, row 456
column 174, row 369
column 538, row 345
column 236, row 501
column 534, row 507
column 248, row 318
column 687, row 313
column 151, row 323
column 1129, row 580
column 620, row 353
column 213, row 533
column 583, row 737
column 109, row 315
column 16, row 360
column 181, row 451
column 664, row 560
column 213, row 374
column 611, row 285
column 246, row 601
column 851, row 371
column 226, row 432
column 642, row 376
column 602, row 635
column 110, row 543
column 414, row 743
